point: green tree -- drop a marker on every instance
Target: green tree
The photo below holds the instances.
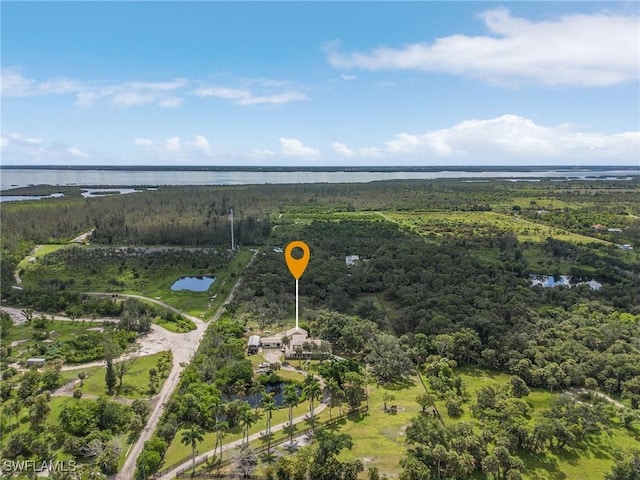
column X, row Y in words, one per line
column 425, row 401
column 518, row 387
column 387, row 397
column 389, row 362
column 39, row 410
column 147, row 464
column 110, row 376
column 627, row 467
column 290, row 398
column 246, row 419
column 268, row 404
column 121, row 368
column 221, row 429
column 312, row 392
column 334, row 389
column 192, row 437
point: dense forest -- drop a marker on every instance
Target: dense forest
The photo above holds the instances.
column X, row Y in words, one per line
column 428, row 296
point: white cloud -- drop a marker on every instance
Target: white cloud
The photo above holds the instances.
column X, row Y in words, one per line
column 14, row 84
column 346, row 152
column 125, row 94
column 513, row 138
column 19, row 148
column 245, row 97
column 19, row 139
column 257, row 153
column 290, row 147
column 172, row 145
column 168, row 94
column 343, row 150
column 348, row 77
column 143, row 142
column 591, row 50
column 76, row 152
column 129, row 94
column 201, row 144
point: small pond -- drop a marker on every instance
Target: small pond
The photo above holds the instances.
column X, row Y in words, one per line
column 193, row 284
column 549, row 281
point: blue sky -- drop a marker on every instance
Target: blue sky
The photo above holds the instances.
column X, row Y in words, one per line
column 320, row 83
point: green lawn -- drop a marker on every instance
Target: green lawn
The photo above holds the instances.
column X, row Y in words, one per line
column 40, row 252
column 135, row 383
column 379, row 437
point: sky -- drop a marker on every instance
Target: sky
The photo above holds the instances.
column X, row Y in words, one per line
column 320, row 83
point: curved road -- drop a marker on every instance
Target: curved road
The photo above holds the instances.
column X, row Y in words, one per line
column 181, row 357
column 183, row 346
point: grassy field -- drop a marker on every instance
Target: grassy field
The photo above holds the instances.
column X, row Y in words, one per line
column 39, row 253
column 120, row 278
column 461, row 224
column 135, row 382
column 379, row 437
column 26, row 345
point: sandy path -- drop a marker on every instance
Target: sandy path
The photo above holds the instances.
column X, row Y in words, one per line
column 183, row 346
column 183, row 351
column 83, row 236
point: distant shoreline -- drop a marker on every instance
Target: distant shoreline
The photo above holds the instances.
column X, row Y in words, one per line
column 372, row 169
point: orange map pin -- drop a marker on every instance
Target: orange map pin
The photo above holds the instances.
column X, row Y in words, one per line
column 297, row 266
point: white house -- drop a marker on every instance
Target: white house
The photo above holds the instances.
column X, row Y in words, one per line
column 352, row 260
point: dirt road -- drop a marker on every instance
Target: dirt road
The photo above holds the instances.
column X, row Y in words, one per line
column 183, row 346
column 182, row 355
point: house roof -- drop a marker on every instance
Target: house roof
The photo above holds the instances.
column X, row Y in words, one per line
column 296, row 331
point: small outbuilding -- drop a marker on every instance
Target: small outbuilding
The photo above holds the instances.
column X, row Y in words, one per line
column 36, row 362
column 253, row 344
column 352, row 260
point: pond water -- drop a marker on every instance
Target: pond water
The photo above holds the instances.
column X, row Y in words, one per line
column 19, row 198
column 549, row 281
column 193, row 284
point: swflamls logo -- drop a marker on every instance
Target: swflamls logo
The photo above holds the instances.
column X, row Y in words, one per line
column 38, row 466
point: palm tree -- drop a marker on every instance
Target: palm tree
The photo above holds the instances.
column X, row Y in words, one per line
column 220, row 429
column 193, row 437
column 246, row 418
column 290, row 398
column 268, row 404
column 217, row 410
column 312, row 391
